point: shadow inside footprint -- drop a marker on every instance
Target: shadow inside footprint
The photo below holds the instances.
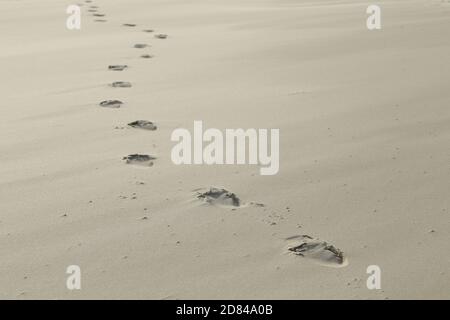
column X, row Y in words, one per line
column 221, row 197
column 117, row 67
column 121, row 84
column 143, row 124
column 319, row 251
column 161, row 36
column 139, row 159
column 111, row 103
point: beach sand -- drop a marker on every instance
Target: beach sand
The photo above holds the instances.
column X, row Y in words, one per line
column 364, row 125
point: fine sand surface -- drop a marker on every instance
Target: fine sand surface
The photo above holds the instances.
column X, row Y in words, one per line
column 364, row 119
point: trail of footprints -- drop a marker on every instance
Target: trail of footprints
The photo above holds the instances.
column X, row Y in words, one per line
column 299, row 245
column 304, row 246
column 134, row 159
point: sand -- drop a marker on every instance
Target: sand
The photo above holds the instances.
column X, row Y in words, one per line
column 364, row 149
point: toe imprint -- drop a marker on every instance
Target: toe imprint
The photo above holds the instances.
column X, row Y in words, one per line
column 319, row 251
column 143, row 124
column 221, row 197
column 139, row 159
column 117, row 67
column 111, row 103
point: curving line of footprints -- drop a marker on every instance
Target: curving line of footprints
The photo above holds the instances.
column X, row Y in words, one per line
column 300, row 245
column 137, row 159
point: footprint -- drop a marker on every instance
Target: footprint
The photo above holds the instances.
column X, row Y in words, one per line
column 121, row 84
column 141, row 45
column 161, row 36
column 220, row 197
column 143, row 124
column 139, row 159
column 129, row 25
column 318, row 251
column 146, row 56
column 100, row 20
column 118, row 67
column 111, row 104
column 148, row 30
column 98, row 15
column 92, row 10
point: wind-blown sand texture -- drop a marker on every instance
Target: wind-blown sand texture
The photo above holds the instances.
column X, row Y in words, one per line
column 364, row 119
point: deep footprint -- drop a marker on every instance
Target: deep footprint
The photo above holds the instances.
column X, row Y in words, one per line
column 121, row 84
column 221, row 197
column 117, row 67
column 146, row 56
column 318, row 251
column 143, row 124
column 139, row 159
column 129, row 25
column 111, row 104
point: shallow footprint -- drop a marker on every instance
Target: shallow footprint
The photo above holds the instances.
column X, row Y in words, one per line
column 146, row 56
column 119, row 67
column 121, row 84
column 98, row 15
column 129, row 25
column 161, row 36
column 140, row 45
column 100, row 20
column 318, row 251
column 111, row 104
column 139, row 159
column 220, row 197
column 148, row 30
column 143, row 124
